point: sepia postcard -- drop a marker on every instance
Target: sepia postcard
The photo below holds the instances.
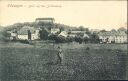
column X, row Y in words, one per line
column 60, row 40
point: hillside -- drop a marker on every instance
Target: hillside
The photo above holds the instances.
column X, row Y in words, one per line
column 33, row 24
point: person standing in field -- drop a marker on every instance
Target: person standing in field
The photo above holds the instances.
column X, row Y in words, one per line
column 60, row 56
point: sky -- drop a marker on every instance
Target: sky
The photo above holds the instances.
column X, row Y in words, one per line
column 90, row 14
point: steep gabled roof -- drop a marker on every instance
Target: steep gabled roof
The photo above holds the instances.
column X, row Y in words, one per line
column 75, row 32
column 110, row 33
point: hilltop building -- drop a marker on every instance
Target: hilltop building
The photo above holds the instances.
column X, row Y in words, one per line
column 45, row 20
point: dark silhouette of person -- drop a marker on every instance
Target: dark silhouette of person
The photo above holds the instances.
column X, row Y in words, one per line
column 60, row 56
column 29, row 35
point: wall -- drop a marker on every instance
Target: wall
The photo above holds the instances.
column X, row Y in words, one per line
column 23, row 37
column 117, row 39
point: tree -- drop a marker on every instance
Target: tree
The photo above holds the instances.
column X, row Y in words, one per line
column 86, row 39
column 81, row 28
column 103, row 30
column 94, row 38
column 17, row 25
column 113, row 30
column 87, row 31
column 45, row 25
column 44, row 34
column 122, row 29
column 78, row 39
column 4, row 35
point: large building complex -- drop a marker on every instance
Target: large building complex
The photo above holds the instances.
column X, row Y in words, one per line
column 45, row 20
column 113, row 37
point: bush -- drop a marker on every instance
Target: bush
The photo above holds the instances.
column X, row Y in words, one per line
column 4, row 36
column 79, row 40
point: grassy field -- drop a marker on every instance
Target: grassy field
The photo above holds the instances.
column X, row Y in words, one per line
column 22, row 62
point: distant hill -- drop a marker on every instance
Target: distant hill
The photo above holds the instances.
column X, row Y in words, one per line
column 33, row 24
column 65, row 27
column 1, row 28
column 2, row 34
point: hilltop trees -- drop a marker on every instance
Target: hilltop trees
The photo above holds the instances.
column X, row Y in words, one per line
column 4, row 35
column 81, row 28
column 103, row 30
column 122, row 29
column 45, row 25
column 113, row 30
column 94, row 38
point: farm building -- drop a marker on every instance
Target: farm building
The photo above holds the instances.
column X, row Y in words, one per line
column 113, row 37
column 94, row 31
column 12, row 34
column 63, row 34
column 28, row 33
column 85, row 35
column 78, row 33
column 55, row 30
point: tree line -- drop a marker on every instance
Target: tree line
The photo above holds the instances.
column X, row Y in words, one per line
column 46, row 27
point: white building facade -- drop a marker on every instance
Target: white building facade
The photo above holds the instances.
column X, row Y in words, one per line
column 55, row 30
column 24, row 35
column 113, row 37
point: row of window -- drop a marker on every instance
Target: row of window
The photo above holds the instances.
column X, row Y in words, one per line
column 114, row 37
column 114, row 40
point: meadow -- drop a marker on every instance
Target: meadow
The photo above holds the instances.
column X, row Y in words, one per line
column 23, row 62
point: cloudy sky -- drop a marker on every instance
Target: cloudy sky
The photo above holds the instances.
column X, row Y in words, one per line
column 92, row 14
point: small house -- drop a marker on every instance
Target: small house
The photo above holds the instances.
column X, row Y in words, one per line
column 55, row 31
column 63, row 34
column 12, row 34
